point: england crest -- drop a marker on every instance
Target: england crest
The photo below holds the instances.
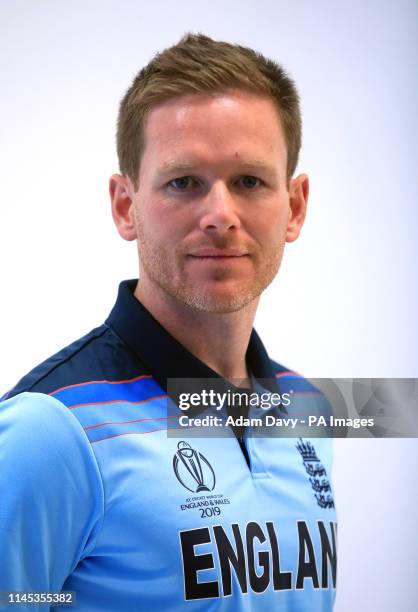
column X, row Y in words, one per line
column 317, row 474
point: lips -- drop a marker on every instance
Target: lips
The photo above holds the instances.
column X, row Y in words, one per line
column 218, row 253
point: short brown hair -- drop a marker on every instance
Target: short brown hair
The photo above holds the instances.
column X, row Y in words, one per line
column 198, row 65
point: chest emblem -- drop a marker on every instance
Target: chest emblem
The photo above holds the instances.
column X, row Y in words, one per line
column 192, row 469
column 317, row 474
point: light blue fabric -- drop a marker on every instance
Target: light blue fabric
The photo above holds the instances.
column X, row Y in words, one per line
column 106, row 518
column 52, row 501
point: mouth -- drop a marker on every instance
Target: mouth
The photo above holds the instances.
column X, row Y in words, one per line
column 217, row 258
column 214, row 253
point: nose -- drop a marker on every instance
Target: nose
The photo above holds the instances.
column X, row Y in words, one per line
column 220, row 210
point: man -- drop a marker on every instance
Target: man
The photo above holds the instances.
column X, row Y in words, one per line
column 98, row 497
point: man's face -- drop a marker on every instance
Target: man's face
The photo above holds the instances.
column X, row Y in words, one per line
column 212, row 209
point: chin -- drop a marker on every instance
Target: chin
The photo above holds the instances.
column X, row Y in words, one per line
column 220, row 304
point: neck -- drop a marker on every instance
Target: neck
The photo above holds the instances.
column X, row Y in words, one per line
column 219, row 340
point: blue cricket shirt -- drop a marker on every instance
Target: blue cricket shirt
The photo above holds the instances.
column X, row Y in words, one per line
column 96, row 498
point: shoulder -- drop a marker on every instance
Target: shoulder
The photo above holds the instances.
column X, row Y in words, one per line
column 289, row 379
column 68, row 394
column 100, row 355
column 306, row 397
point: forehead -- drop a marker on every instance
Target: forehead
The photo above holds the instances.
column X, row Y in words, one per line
column 213, row 128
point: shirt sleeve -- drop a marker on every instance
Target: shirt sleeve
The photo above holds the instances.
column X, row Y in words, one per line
column 51, row 494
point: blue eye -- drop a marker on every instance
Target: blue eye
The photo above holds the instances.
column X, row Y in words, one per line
column 249, row 182
column 181, row 183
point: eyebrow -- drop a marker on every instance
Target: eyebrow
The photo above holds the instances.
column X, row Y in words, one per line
column 186, row 166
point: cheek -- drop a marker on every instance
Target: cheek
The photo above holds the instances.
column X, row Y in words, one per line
column 272, row 229
column 161, row 227
column 273, row 214
column 148, row 219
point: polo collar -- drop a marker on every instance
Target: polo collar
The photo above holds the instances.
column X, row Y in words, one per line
column 163, row 356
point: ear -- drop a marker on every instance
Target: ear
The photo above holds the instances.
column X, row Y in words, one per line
column 298, row 200
column 121, row 196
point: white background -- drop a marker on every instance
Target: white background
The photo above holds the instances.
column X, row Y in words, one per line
column 344, row 303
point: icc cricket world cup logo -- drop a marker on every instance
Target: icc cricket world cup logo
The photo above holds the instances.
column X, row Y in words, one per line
column 192, row 469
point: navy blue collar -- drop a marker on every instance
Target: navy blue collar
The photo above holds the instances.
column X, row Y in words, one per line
column 162, row 355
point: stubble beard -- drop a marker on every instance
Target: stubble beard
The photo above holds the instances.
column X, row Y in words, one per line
column 161, row 268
